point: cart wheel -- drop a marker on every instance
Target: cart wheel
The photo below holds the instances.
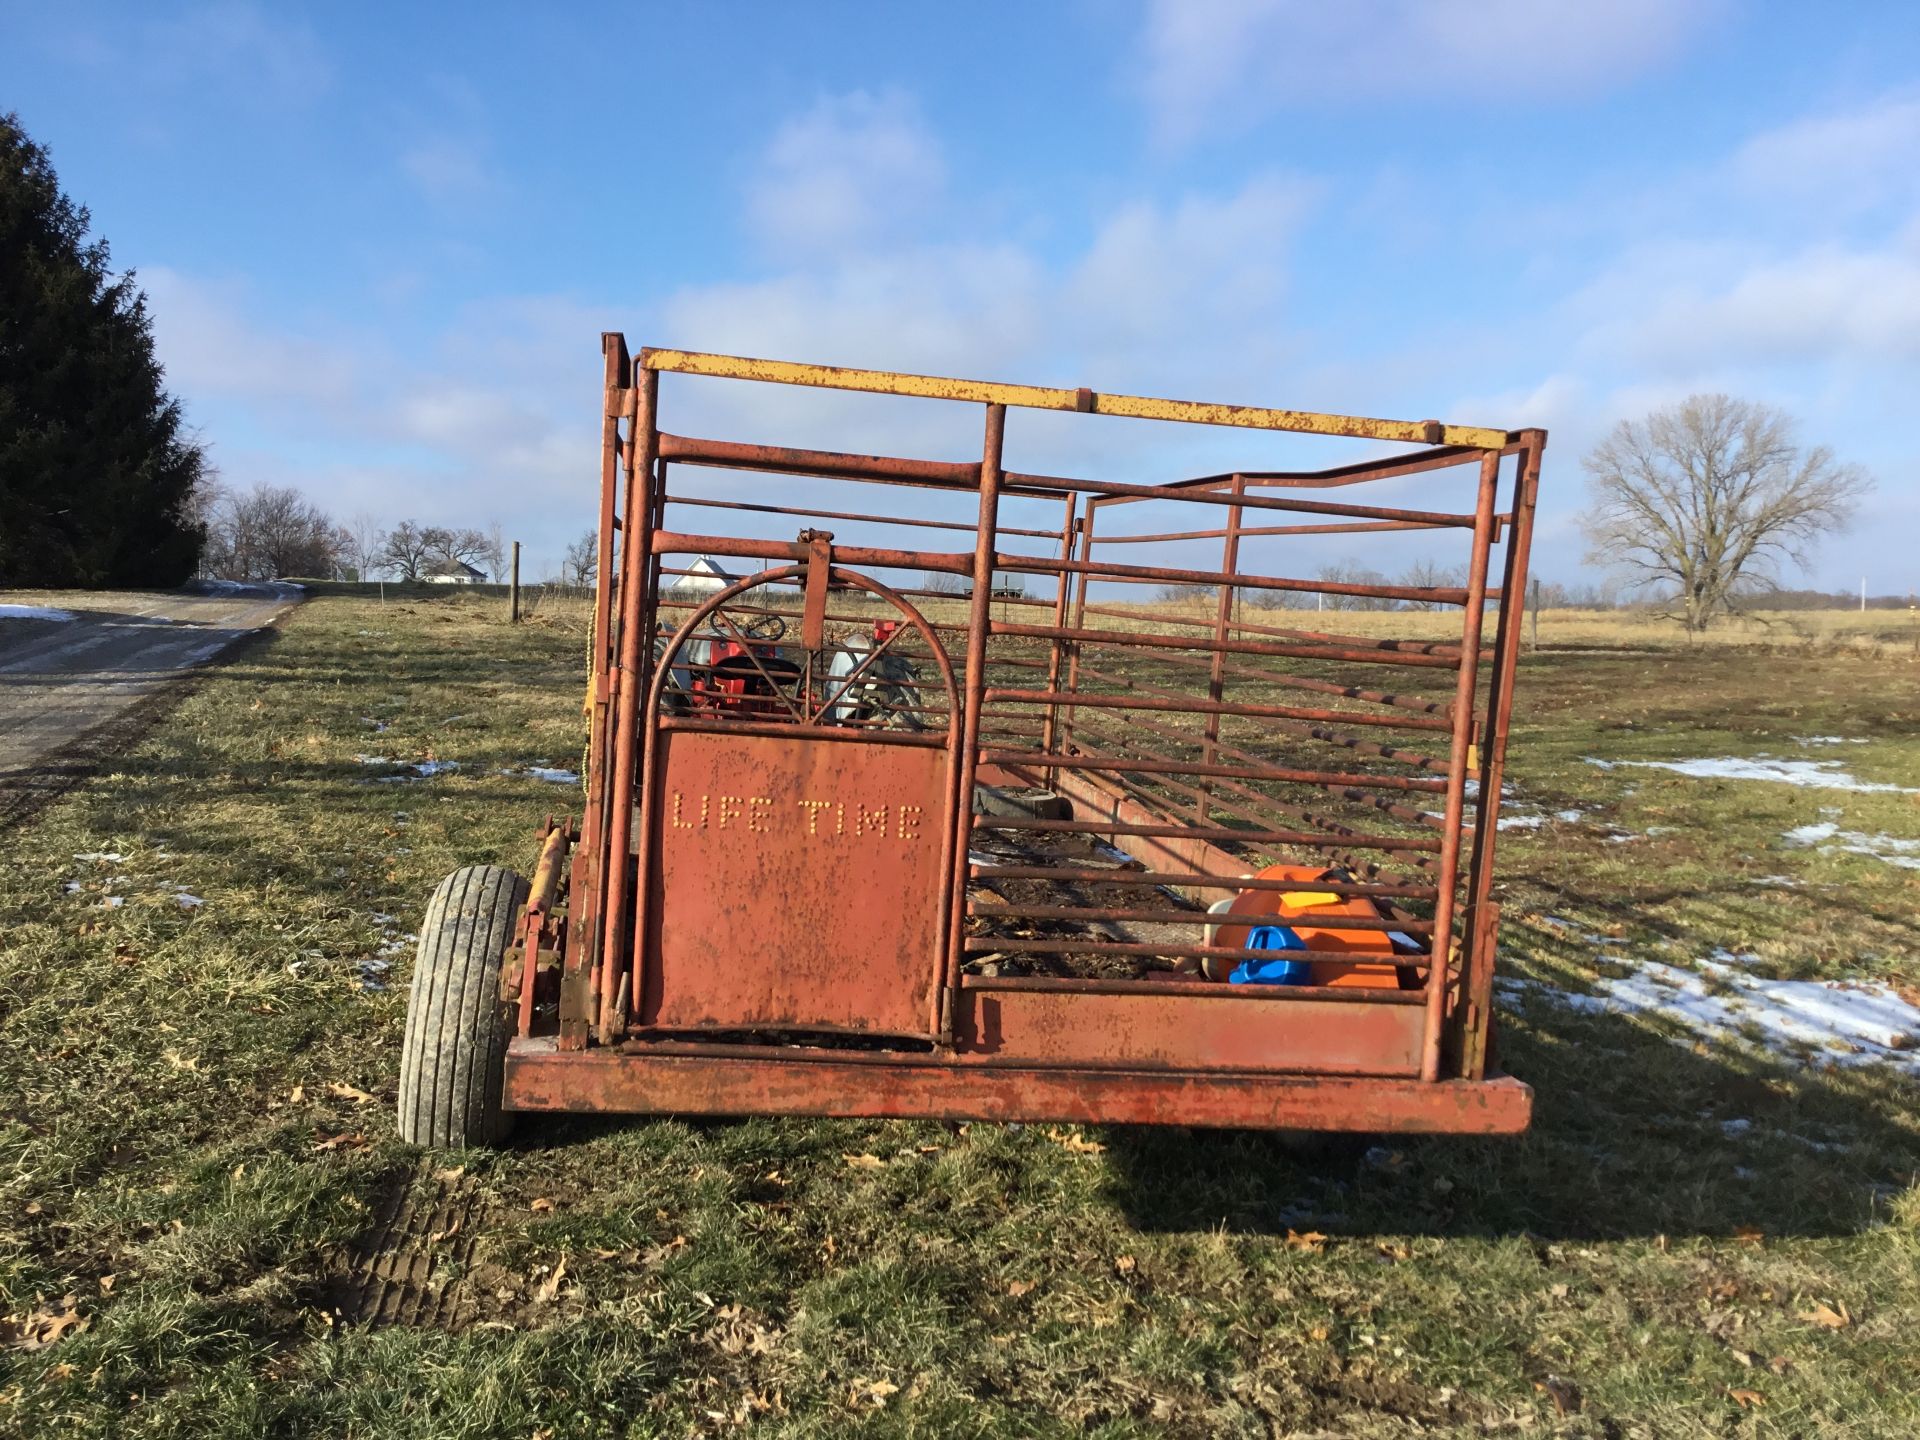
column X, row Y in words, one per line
column 456, row 1041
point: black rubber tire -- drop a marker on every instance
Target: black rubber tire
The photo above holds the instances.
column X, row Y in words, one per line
column 454, row 1053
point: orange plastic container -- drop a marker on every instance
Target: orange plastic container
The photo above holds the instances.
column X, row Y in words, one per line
column 1365, row 956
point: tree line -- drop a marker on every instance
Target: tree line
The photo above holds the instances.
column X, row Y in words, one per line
column 272, row 532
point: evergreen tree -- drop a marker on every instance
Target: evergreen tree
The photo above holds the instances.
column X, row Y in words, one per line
column 96, row 478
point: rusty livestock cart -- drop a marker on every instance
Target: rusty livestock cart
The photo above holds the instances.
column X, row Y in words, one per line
column 912, row 791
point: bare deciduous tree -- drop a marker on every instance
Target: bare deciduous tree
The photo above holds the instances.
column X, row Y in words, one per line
column 1352, row 572
column 582, row 563
column 448, row 547
column 496, row 552
column 1707, row 497
column 1429, row 575
column 268, row 532
column 366, row 543
column 404, row 550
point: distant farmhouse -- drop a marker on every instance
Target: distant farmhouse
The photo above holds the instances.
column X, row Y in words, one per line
column 452, row 572
column 704, row 577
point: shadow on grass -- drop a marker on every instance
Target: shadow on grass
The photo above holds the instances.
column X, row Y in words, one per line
column 1634, row 1135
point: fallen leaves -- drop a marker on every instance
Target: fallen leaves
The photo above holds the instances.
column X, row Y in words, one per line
column 345, row 1140
column 871, row 1394
column 179, row 1061
column 1563, row 1392
column 44, row 1325
column 541, row 1205
column 864, row 1162
column 340, row 1090
column 549, row 1289
column 1827, row 1316
column 1074, row 1143
column 1125, row 1265
column 1017, row 1288
column 1751, row 1236
column 1310, row 1242
column 1746, row 1399
column 658, row 1255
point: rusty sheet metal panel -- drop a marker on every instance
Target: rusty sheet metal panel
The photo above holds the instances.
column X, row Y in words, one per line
column 799, row 884
column 1156, row 1026
column 821, row 1082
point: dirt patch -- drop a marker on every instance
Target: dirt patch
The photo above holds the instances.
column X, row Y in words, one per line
column 412, row 1264
column 1083, row 852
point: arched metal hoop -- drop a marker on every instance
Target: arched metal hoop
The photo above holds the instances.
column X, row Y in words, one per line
column 663, row 667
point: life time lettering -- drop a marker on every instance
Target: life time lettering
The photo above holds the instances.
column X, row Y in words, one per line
column 755, row 814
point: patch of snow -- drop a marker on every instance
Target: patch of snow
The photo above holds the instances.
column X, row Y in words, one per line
column 1845, row 1022
column 1817, row 774
column 410, row 769
column 1887, row 849
column 1786, row 881
column 1567, row 817
column 1828, row 740
column 187, row 901
column 35, row 612
column 1735, row 1128
column 1520, row 822
column 107, row 856
column 552, row 775
column 112, row 902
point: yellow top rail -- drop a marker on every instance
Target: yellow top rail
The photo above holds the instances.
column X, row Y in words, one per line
column 1041, row 397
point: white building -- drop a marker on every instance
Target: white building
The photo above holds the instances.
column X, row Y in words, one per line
column 452, row 572
column 704, row 576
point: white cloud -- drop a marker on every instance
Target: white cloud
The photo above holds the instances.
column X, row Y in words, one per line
column 447, row 169
column 855, row 171
column 1188, row 296
column 210, row 345
column 1210, row 64
column 245, row 49
column 1847, row 161
column 1682, row 307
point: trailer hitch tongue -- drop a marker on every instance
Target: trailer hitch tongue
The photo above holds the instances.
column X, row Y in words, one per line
column 813, row 623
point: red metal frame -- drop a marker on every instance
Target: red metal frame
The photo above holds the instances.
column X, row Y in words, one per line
column 790, row 903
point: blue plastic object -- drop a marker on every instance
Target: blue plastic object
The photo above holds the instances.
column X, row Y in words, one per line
column 1272, row 972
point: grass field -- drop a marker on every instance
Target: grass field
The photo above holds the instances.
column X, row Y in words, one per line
column 198, row 1049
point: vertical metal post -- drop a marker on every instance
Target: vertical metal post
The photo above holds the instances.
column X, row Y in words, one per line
column 585, row 933
column 1051, row 731
column 979, row 617
column 1465, row 685
column 636, row 552
column 1222, row 617
column 1482, row 914
column 1079, row 618
column 513, row 589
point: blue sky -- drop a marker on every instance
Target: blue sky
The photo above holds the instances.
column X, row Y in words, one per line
column 381, row 241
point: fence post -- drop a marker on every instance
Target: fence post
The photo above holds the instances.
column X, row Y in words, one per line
column 513, row 589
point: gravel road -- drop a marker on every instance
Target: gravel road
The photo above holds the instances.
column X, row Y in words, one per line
column 72, row 661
